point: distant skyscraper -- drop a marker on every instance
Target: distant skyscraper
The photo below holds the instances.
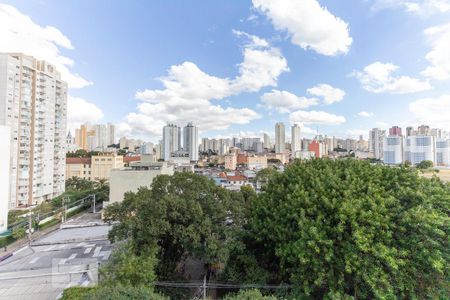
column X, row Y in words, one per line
column 296, row 142
column 280, row 141
column 376, row 139
column 267, row 143
column 110, row 134
column 395, row 130
column 171, row 140
column 190, row 141
column 33, row 103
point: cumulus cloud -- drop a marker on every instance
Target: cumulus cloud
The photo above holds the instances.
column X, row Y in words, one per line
column 315, row 117
column 188, row 92
column 309, row 25
column 378, row 78
column 80, row 111
column 284, row 101
column 417, row 7
column 365, row 114
column 330, row 94
column 433, row 111
column 439, row 56
column 18, row 33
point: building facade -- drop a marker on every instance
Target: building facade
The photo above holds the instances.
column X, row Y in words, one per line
column 393, row 150
column 296, row 142
column 190, row 141
column 280, row 140
column 419, row 148
column 5, row 135
column 33, row 103
column 376, row 138
column 171, row 140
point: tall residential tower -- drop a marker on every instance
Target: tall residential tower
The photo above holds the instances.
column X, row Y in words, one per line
column 33, row 103
column 280, row 141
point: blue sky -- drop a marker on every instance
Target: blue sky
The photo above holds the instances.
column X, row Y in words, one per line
column 237, row 67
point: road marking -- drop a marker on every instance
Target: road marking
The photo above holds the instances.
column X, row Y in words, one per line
column 50, row 248
column 89, row 246
column 20, row 250
column 61, row 246
column 34, row 260
column 87, row 250
column 62, row 261
column 97, row 251
column 81, row 244
column 72, row 256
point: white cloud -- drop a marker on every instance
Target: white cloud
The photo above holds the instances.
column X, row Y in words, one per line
column 365, row 114
column 285, row 102
column 330, row 94
column 378, row 78
column 439, row 56
column 18, row 33
column 315, row 117
column 188, row 92
column 417, row 7
column 433, row 111
column 309, row 25
column 80, row 111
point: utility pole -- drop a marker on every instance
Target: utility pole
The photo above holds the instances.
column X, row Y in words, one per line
column 94, row 204
column 204, row 286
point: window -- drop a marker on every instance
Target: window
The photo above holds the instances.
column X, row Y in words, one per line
column 423, row 141
column 393, row 141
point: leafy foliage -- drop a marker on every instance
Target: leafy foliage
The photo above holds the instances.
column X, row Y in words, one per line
column 425, row 164
column 118, row 292
column 346, row 228
column 249, row 295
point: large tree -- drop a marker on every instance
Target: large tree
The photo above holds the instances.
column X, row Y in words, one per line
column 346, row 228
column 184, row 216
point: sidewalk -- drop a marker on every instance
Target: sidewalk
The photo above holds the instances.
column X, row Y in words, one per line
column 36, row 235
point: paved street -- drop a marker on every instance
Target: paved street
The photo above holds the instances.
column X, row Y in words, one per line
column 66, row 257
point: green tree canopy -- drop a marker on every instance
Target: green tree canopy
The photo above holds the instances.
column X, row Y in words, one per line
column 346, row 228
column 425, row 164
column 184, row 215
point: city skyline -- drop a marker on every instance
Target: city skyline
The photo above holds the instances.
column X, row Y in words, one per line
column 240, row 68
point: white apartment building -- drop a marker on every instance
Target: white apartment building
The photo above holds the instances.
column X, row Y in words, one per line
column 190, row 141
column 442, row 152
column 171, row 140
column 280, row 140
column 33, row 103
column 376, row 138
column 393, row 150
column 419, row 148
column 296, row 142
column 5, row 137
column 267, row 143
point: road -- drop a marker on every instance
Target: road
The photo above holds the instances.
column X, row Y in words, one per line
column 66, row 257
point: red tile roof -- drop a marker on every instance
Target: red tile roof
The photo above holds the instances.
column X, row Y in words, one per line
column 127, row 159
column 236, row 178
column 78, row 160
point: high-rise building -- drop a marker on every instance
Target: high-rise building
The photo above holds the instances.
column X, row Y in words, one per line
column 96, row 137
column 296, row 142
column 442, row 152
column 147, row 148
column 280, row 141
column 267, row 143
column 5, row 137
column 190, row 141
column 393, row 149
column 33, row 103
column 395, row 130
column 423, row 130
column 376, row 139
column 419, row 148
column 110, row 134
column 171, row 140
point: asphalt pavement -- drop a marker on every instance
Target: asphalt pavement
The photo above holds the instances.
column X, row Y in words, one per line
column 66, row 257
